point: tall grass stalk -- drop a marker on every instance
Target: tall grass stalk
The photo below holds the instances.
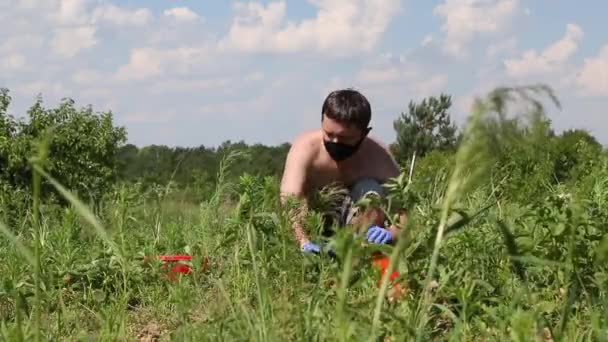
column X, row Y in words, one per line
column 29, row 257
column 161, row 201
column 258, row 282
column 88, row 215
column 84, row 211
column 409, row 177
column 38, row 161
column 343, row 323
column 22, row 249
column 37, row 247
column 246, row 316
column 221, row 185
column 401, row 243
column 471, row 162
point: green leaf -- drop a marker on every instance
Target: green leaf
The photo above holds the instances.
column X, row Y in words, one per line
column 545, row 306
column 525, row 243
column 559, row 228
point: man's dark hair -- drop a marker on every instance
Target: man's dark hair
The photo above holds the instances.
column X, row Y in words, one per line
column 349, row 106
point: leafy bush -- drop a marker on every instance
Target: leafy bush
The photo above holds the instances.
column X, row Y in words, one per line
column 82, row 147
column 576, row 152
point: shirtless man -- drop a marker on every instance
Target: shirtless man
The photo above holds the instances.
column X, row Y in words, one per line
column 341, row 151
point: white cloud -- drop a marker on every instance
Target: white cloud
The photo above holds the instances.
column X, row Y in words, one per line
column 397, row 77
column 53, row 90
column 379, row 76
column 550, row 60
column 340, row 27
column 70, row 26
column 82, row 12
column 149, row 62
column 252, row 102
column 70, row 12
column 593, row 77
column 466, row 18
column 122, row 16
column 143, row 63
column 87, row 77
column 507, row 46
column 427, row 40
column 183, row 14
column 69, row 41
column 100, row 93
column 256, row 106
column 150, row 116
column 12, row 63
column 564, row 48
column 21, row 42
column 216, row 84
column 430, row 85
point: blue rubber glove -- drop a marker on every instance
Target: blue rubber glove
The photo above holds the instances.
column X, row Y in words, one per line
column 379, row 235
column 310, row 247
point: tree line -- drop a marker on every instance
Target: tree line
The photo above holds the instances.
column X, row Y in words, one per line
column 189, row 165
column 89, row 154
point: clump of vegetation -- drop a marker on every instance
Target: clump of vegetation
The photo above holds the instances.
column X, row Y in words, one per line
column 506, row 236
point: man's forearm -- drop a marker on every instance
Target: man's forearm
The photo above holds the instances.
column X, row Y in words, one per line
column 296, row 216
column 298, row 222
column 299, row 233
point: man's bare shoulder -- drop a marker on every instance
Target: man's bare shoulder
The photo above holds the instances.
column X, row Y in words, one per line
column 306, row 144
column 300, row 157
column 382, row 158
column 378, row 146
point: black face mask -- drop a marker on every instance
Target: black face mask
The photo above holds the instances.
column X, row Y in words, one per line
column 340, row 151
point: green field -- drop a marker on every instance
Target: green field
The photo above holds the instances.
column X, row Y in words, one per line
column 507, row 239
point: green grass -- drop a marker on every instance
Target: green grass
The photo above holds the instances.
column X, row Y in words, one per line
column 475, row 267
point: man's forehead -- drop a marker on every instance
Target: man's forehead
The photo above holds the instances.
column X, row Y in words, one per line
column 337, row 127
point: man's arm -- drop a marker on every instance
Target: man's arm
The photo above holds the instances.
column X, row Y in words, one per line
column 293, row 186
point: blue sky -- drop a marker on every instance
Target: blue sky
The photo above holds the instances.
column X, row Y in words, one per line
column 190, row 73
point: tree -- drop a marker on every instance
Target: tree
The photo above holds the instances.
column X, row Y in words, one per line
column 7, row 129
column 576, row 152
column 425, row 127
column 83, row 147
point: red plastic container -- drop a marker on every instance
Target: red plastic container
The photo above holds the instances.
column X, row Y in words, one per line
column 383, row 262
column 396, row 291
column 174, row 265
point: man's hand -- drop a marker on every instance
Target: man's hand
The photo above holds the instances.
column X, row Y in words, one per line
column 310, row 247
column 379, row 235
